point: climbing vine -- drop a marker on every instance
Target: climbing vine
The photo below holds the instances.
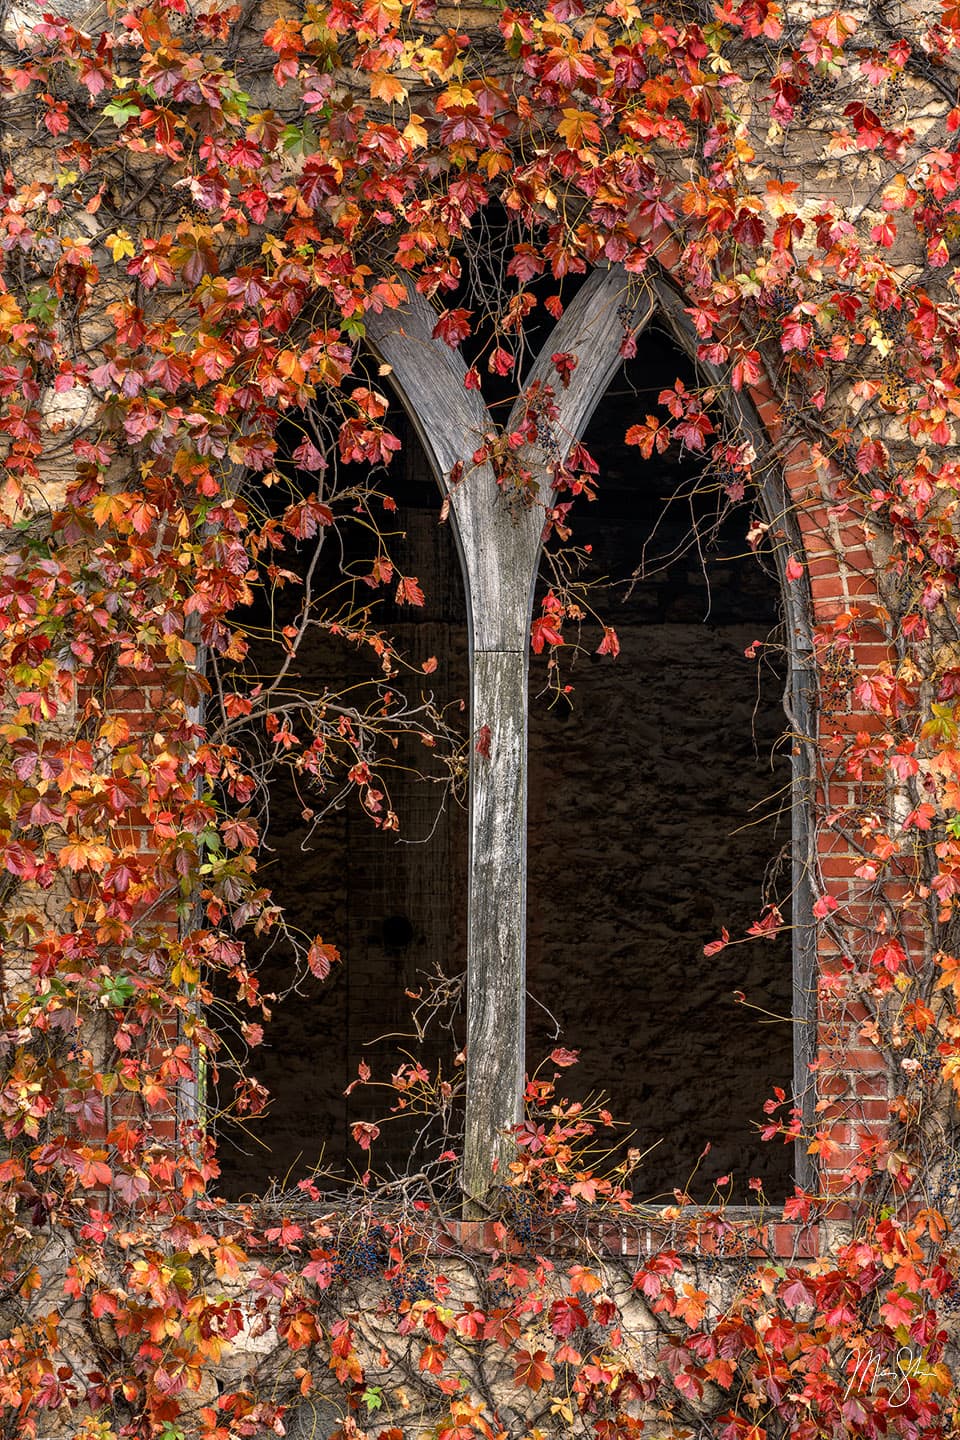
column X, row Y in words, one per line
column 202, row 207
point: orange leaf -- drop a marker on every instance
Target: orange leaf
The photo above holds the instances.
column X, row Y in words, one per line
column 432, row 1359
column 532, row 1370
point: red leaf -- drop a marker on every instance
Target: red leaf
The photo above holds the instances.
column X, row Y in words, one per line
column 432, row 1359
column 563, row 1057
column 564, row 363
column 544, row 632
column 409, row 592
column 567, row 1316
column 796, row 1293
column 321, row 958
column 501, row 362
column 452, row 327
column 898, row 1309
column 610, row 644
column 889, row 956
column 364, row 1133
column 770, row 922
column 649, row 436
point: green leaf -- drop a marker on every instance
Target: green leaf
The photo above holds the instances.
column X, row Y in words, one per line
column 120, row 111
column 116, row 990
column 42, row 305
column 300, row 139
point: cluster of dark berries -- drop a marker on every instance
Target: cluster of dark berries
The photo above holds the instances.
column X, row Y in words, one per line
column 733, row 481
column 523, row 1213
column 816, row 90
column 497, row 1296
column 367, row 1255
column 892, row 101
column 779, row 301
column 946, row 1192
column 950, row 1299
column 547, row 439
column 891, row 323
column 411, row 1284
column 730, row 1265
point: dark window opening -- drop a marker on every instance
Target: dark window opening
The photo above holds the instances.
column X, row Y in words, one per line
column 392, row 903
column 659, row 811
column 660, row 796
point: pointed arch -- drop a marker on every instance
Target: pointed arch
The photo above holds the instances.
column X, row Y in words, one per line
column 499, row 547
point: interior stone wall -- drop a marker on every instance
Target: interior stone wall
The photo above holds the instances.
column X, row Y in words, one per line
column 392, row 903
column 659, row 812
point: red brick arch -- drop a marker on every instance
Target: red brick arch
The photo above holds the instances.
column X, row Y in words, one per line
column 831, row 539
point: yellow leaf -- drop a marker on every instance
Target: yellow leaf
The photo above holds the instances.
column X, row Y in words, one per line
column 84, row 854
column 110, row 509
column 493, row 162
column 415, row 132
column 120, row 244
column 10, row 313
column 114, row 730
column 289, row 366
column 459, row 95
column 897, row 194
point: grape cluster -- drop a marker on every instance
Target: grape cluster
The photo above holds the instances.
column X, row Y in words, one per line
column 892, row 101
column 733, row 481
column 946, row 1191
column 945, row 1198
column 547, row 440
column 745, row 1271
column 891, row 323
column 839, row 675
column 364, row 1256
column 411, row 1284
column 497, row 1296
column 779, row 301
column 523, row 1213
column 736, row 1265
column 817, row 89
column 950, row 1299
